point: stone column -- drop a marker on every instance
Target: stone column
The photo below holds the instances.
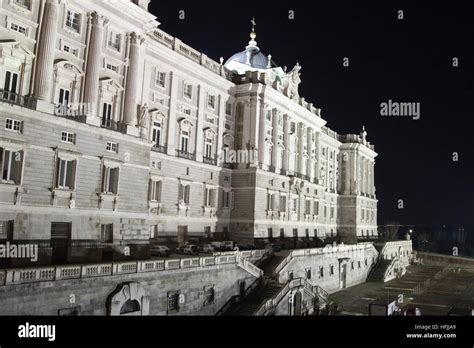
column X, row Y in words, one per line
column 317, row 171
column 46, row 51
column 171, row 137
column 221, row 130
column 91, row 79
column 131, row 106
column 301, row 129
column 310, row 164
column 259, row 131
column 199, row 144
column 286, row 144
column 372, row 167
column 275, row 148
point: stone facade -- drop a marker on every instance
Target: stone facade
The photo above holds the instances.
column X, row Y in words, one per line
column 331, row 268
column 177, row 287
column 121, row 134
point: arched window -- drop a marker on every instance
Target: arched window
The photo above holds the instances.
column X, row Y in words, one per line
column 130, row 306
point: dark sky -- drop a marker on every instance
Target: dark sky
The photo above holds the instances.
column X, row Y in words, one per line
column 406, row 60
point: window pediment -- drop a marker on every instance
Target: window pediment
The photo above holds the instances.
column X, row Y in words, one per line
column 110, row 85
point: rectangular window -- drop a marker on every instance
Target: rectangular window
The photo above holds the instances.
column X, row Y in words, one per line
column 173, row 301
column 308, row 273
column 211, row 101
column 11, row 163
column 188, row 91
column 332, row 270
column 64, row 97
column 13, row 125
column 114, row 40
column 226, row 199
column 210, row 198
column 316, row 208
column 283, row 203
column 106, row 115
column 73, row 20
column 107, row 233
column 362, row 214
column 156, row 133
column 321, row 272
column 67, row 137
column 270, row 201
column 332, row 213
column 325, row 211
column 71, row 50
column 184, row 142
column 307, row 207
column 10, row 85
column 208, row 150
column 23, row 3
column 155, row 191
column 160, row 79
column 6, row 230
column 112, row 147
column 18, row 28
column 228, row 109
column 65, row 175
column 184, row 194
column 110, row 180
column 294, row 206
column 112, row 67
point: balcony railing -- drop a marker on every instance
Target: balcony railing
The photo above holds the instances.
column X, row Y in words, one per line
column 210, row 160
column 186, row 155
column 159, row 148
column 112, row 125
column 302, row 176
column 69, row 113
column 17, row 99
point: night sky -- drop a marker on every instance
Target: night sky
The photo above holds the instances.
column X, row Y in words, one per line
column 407, row 60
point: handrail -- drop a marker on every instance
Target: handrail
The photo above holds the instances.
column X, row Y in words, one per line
column 315, row 290
column 240, row 297
column 57, row 273
column 328, row 249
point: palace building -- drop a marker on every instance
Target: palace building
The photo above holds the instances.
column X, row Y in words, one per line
column 114, row 133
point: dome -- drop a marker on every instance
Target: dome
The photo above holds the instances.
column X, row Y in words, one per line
column 257, row 59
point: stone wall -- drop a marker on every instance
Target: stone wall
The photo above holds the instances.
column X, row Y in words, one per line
column 324, row 266
column 96, row 295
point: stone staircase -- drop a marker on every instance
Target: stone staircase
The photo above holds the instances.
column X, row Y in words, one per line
column 378, row 273
column 253, row 302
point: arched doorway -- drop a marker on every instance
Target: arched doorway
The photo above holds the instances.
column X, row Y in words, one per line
column 128, row 299
column 297, row 304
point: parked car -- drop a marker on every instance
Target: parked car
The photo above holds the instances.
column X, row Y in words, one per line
column 217, row 245
column 246, row 247
column 228, row 245
column 160, row 250
column 207, row 248
column 274, row 247
column 187, row 250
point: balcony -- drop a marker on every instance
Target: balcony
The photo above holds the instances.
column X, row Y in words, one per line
column 159, row 148
column 228, row 165
column 302, row 176
column 68, row 113
column 210, row 160
column 186, row 155
column 17, row 99
column 114, row 126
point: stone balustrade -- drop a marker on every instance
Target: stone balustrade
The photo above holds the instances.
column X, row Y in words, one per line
column 187, row 51
column 57, row 273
